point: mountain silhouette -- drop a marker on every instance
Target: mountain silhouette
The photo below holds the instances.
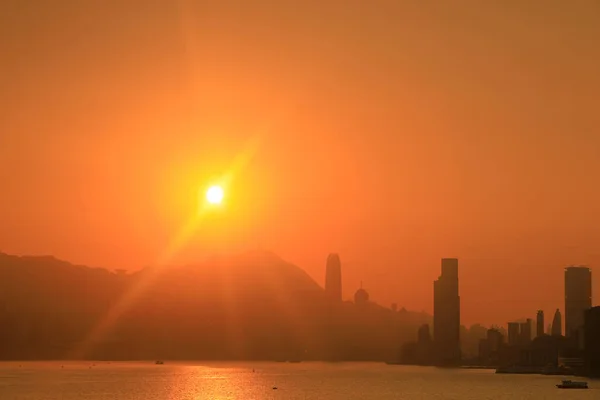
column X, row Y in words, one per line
column 247, row 306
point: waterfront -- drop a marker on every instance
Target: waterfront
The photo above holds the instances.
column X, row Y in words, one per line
column 203, row 381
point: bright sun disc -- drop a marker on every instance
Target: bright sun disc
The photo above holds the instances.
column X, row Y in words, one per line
column 214, row 195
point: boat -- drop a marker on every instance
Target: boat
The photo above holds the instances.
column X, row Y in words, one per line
column 572, row 385
column 159, row 362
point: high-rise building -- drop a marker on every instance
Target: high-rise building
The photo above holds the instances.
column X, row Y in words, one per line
column 446, row 314
column 495, row 339
column 557, row 324
column 333, row 277
column 539, row 331
column 525, row 332
column 423, row 335
column 592, row 344
column 578, row 299
column 514, row 333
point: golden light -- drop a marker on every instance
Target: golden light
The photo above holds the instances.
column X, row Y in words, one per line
column 214, row 194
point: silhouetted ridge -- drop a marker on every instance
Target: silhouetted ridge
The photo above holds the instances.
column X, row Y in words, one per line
column 267, row 265
column 247, row 306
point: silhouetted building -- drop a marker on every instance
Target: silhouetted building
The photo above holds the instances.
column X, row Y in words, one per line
column 557, row 324
column 513, row 333
column 495, row 338
column 361, row 296
column 333, row 277
column 446, row 314
column 424, row 345
column 419, row 352
column 423, row 334
column 544, row 351
column 490, row 347
column 539, row 331
column 525, row 332
column 578, row 299
column 592, row 341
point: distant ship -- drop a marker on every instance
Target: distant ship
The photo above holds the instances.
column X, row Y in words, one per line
column 572, row 385
column 159, row 362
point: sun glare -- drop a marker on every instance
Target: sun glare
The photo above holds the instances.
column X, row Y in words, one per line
column 214, row 195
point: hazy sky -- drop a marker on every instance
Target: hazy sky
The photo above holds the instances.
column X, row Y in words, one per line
column 392, row 132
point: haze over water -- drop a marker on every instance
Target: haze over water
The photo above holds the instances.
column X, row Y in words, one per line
column 306, row 381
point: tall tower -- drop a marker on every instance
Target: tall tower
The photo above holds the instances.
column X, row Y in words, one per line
column 333, row 277
column 539, row 323
column 557, row 324
column 592, row 344
column 446, row 314
column 578, row 299
column 525, row 332
column 514, row 331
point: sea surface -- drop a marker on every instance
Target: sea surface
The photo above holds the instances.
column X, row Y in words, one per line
column 221, row 381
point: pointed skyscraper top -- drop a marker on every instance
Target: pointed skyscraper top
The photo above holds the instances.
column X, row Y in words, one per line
column 333, row 277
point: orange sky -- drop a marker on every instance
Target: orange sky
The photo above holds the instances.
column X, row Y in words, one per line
column 392, row 132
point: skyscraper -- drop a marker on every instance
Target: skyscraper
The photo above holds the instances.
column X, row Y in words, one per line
column 495, row 339
column 513, row 333
column 557, row 324
column 539, row 323
column 423, row 334
column 333, row 277
column 446, row 314
column 525, row 332
column 578, row 299
column 592, row 344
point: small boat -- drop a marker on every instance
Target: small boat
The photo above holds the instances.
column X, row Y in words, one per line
column 572, row 385
column 159, row 362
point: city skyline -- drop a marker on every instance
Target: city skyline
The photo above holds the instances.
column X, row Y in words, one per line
column 334, row 275
column 444, row 347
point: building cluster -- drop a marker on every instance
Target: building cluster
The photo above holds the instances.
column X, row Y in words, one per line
column 444, row 347
column 551, row 351
column 524, row 344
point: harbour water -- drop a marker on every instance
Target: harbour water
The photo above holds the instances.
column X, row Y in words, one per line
column 294, row 381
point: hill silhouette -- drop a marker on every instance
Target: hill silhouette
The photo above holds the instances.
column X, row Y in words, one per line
column 248, row 306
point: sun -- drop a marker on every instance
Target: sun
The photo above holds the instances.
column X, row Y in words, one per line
column 214, row 194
